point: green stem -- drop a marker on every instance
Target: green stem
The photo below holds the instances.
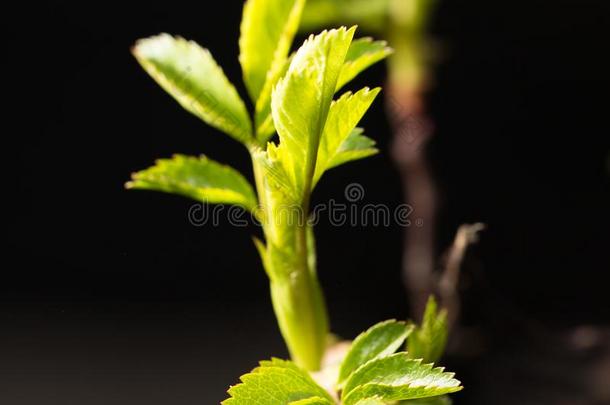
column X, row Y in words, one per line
column 289, row 260
column 301, row 313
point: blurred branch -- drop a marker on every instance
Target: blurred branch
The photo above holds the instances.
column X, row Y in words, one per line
column 466, row 235
column 408, row 73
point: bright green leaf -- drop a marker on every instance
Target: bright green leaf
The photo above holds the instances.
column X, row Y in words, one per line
column 397, row 377
column 378, row 341
column 362, row 53
column 262, row 114
column 344, row 115
column 301, row 101
column 276, row 382
column 267, row 30
column 356, row 146
column 200, row 178
column 191, row 75
column 428, row 341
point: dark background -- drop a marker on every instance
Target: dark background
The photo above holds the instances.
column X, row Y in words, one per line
column 112, row 297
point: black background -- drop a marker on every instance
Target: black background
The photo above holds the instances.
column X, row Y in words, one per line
column 112, row 296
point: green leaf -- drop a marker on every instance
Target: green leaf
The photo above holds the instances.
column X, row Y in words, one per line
column 200, row 178
column 378, row 341
column 363, row 52
column 267, row 30
column 428, row 341
column 397, row 377
column 344, row 115
column 277, row 382
column 190, row 74
column 262, row 114
column 356, row 146
column 301, row 101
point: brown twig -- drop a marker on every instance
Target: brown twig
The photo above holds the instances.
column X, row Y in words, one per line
column 466, row 235
column 411, row 132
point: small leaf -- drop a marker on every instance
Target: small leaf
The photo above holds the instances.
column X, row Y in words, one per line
column 380, row 340
column 396, row 378
column 344, row 115
column 428, row 341
column 277, row 382
column 362, row 53
column 190, row 74
column 301, row 101
column 267, row 30
column 201, row 179
column 356, row 146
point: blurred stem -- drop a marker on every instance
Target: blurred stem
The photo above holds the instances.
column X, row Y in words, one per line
column 407, row 81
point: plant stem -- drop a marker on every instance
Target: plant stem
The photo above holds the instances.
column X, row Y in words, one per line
column 289, row 260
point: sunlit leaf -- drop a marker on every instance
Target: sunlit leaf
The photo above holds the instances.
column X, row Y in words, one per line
column 397, row 377
column 356, row 146
column 201, row 179
column 363, row 53
column 380, row 340
column 191, row 75
column 344, row 115
column 428, row 340
column 277, row 383
column 267, row 30
column 301, row 102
